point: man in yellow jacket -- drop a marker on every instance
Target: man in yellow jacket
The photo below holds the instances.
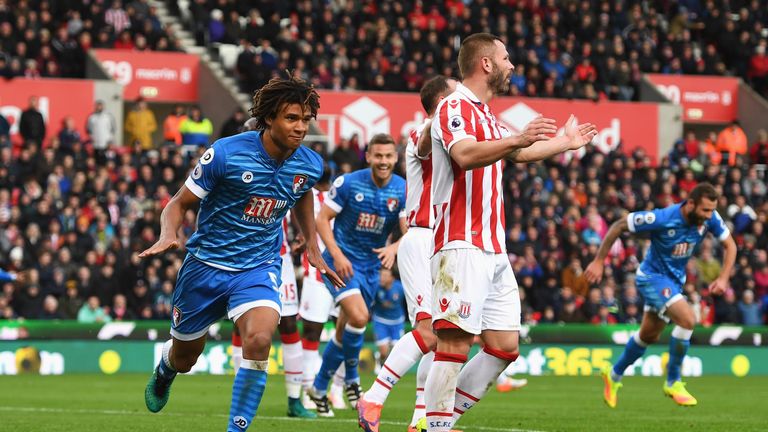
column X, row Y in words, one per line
column 140, row 124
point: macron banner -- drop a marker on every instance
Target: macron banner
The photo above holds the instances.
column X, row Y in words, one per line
column 55, row 102
column 343, row 114
column 155, row 76
column 705, row 99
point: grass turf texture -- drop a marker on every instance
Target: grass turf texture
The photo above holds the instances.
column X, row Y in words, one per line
column 201, row 403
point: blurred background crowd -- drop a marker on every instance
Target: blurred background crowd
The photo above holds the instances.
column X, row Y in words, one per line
column 76, row 210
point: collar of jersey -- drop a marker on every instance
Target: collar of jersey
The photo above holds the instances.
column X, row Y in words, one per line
column 461, row 88
column 266, row 156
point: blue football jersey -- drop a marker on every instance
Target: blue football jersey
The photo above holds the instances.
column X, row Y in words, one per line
column 673, row 240
column 245, row 195
column 366, row 214
column 389, row 304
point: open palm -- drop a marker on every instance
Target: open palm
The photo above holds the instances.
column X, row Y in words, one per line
column 579, row 134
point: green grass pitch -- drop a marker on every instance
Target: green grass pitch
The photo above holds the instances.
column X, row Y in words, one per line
column 86, row 403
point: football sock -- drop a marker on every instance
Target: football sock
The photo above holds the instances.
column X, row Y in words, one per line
column 352, row 342
column 440, row 390
column 292, row 357
column 406, row 352
column 419, row 409
column 678, row 346
column 477, row 376
column 333, row 356
column 311, row 361
column 634, row 349
column 247, row 390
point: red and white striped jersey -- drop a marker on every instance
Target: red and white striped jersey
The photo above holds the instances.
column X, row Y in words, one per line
column 309, row 271
column 418, row 175
column 469, row 205
column 285, row 248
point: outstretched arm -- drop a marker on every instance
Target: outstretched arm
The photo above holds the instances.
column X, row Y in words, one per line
column 469, row 154
column 719, row 285
column 304, row 212
column 170, row 221
column 576, row 136
column 594, row 271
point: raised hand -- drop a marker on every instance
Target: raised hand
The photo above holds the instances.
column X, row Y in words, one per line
column 387, row 255
column 162, row 245
column 316, row 260
column 718, row 286
column 579, row 134
column 343, row 266
column 537, row 130
column 594, row 271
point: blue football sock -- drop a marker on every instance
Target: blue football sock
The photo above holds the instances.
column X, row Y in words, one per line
column 332, row 358
column 352, row 341
column 166, row 371
column 678, row 346
column 634, row 349
column 249, row 385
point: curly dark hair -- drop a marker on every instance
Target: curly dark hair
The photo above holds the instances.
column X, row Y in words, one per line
column 268, row 100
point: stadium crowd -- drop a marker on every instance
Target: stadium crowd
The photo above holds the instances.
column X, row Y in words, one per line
column 77, row 216
column 565, row 49
column 40, row 38
column 76, row 210
column 590, row 49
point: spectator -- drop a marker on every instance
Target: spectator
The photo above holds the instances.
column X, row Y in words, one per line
column 196, row 131
column 758, row 153
column 29, row 303
column 71, row 303
column 101, row 127
column 92, row 312
column 749, row 310
column 32, row 124
column 116, row 17
column 69, row 137
column 5, row 132
column 726, row 309
column 732, row 141
column 758, row 69
column 707, row 265
column 50, row 309
column 234, row 124
column 571, row 313
column 164, row 301
column 172, row 124
column 345, row 157
column 140, row 125
column 120, row 311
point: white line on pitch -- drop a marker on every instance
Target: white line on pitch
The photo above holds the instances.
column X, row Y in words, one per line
column 324, row 420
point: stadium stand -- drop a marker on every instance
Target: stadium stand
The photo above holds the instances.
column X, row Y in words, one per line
column 77, row 216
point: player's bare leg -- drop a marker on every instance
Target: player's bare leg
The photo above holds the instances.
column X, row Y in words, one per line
column 178, row 356
column 256, row 326
column 682, row 315
column 292, row 365
column 406, row 352
column 650, row 330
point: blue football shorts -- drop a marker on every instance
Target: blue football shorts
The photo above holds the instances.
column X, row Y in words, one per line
column 205, row 294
